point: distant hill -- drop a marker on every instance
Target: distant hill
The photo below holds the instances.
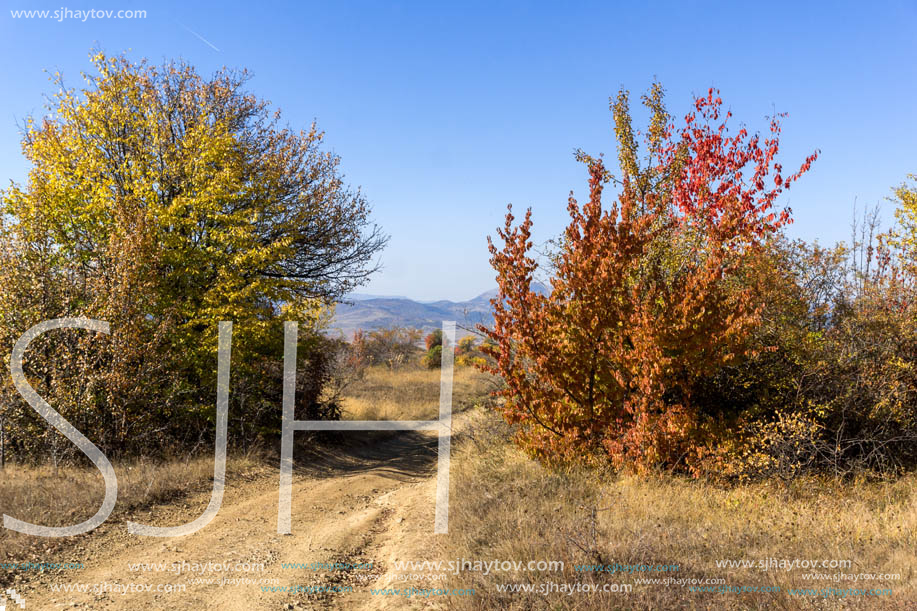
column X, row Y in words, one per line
column 365, row 296
column 370, row 312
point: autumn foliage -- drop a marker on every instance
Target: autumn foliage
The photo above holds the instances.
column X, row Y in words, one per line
column 164, row 202
column 653, row 289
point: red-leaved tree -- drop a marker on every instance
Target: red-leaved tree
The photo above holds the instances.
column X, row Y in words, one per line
column 648, row 294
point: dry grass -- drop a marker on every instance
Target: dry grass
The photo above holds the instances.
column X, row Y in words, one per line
column 411, row 393
column 70, row 495
column 41, row 495
column 506, row 506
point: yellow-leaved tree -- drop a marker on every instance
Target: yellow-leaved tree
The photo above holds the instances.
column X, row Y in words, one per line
column 904, row 237
column 164, row 202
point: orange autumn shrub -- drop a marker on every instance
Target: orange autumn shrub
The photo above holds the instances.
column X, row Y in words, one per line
column 650, row 293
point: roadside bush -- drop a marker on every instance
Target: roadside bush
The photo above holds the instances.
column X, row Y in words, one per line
column 433, row 358
column 433, row 339
column 649, row 296
column 392, row 347
column 835, row 390
column 434, row 355
column 684, row 331
column 163, row 202
column 469, row 354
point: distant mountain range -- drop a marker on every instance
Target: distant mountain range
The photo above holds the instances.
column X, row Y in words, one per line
column 370, row 312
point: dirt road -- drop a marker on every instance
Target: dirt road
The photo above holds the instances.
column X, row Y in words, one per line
column 371, row 503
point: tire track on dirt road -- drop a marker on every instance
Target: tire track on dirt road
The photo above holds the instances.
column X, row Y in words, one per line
column 369, row 500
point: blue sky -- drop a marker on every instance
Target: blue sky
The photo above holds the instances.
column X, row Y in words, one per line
column 445, row 112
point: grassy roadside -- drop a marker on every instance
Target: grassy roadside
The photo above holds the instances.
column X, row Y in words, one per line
column 507, row 507
column 69, row 495
column 411, row 393
column 41, row 495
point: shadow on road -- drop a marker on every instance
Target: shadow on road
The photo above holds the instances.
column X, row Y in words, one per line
column 400, row 455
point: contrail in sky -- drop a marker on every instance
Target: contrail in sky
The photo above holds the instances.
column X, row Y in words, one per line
column 204, row 40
